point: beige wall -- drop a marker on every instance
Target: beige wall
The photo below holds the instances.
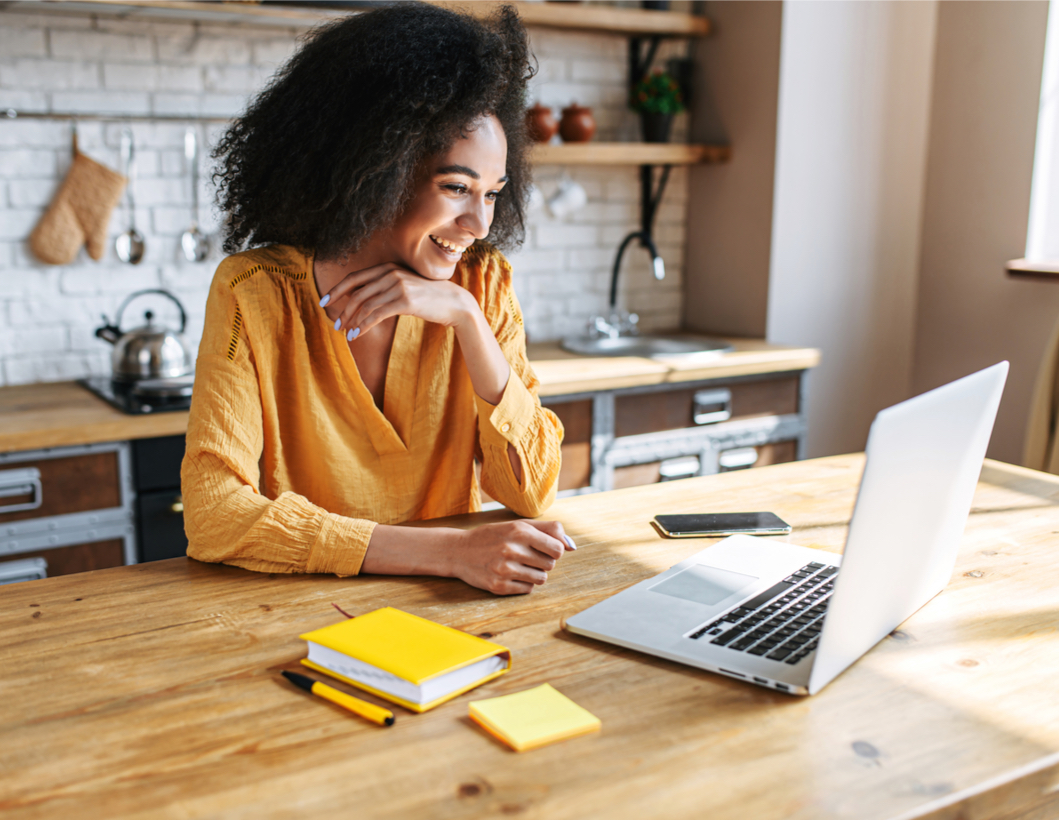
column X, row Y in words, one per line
column 730, row 205
column 851, row 152
column 988, row 62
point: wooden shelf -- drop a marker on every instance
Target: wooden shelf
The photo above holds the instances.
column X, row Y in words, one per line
column 577, row 17
column 595, row 17
column 628, row 153
column 1025, row 269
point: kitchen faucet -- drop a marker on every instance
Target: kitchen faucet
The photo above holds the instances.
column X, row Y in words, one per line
column 617, row 324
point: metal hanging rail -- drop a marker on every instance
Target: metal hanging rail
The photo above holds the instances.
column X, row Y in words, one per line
column 14, row 114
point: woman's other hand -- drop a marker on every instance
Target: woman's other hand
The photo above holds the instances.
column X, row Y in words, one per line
column 366, row 297
column 509, row 558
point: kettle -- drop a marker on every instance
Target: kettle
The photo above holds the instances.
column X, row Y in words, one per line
column 150, row 351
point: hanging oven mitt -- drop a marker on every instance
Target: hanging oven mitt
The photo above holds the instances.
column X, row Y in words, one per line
column 80, row 212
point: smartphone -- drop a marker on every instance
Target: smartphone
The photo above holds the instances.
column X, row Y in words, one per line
column 711, row 524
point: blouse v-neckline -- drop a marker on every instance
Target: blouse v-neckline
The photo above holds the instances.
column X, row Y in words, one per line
column 390, row 428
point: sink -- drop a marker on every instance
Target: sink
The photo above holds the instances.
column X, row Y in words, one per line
column 648, row 347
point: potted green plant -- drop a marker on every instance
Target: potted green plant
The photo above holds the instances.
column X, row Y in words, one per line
column 656, row 97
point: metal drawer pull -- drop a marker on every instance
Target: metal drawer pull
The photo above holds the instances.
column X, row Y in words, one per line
column 674, row 468
column 14, row 483
column 177, row 507
column 712, row 406
column 738, row 459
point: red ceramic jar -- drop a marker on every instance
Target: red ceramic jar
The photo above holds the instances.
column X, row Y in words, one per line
column 577, row 124
column 541, row 123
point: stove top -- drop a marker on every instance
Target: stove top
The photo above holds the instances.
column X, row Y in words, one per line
column 139, row 398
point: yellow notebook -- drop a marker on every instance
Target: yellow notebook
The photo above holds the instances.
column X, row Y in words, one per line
column 533, row 718
column 406, row 659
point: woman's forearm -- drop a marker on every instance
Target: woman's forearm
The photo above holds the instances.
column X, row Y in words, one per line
column 488, row 368
column 410, row 551
column 487, row 365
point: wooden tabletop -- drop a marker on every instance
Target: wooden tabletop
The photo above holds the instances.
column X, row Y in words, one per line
column 154, row 690
column 35, row 416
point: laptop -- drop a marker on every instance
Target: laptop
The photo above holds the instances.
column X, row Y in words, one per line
column 792, row 618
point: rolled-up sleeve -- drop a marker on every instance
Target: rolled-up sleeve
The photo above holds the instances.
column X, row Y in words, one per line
column 226, row 516
column 519, row 419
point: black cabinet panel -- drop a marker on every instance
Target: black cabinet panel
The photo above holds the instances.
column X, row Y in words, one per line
column 161, row 521
column 156, row 462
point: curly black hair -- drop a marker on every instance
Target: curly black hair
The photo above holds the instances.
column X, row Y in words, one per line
column 327, row 153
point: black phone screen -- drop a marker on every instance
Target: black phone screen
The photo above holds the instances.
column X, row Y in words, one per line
column 722, row 523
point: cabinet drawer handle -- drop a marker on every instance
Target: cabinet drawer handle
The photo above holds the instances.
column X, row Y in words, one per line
column 738, row 459
column 177, row 507
column 712, row 406
column 25, row 481
column 673, row 468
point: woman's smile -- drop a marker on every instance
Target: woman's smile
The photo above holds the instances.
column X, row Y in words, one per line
column 448, row 248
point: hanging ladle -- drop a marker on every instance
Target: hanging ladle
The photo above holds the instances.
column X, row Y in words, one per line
column 130, row 245
column 194, row 243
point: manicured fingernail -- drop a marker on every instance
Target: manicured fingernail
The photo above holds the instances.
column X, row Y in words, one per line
column 351, row 336
column 325, row 300
column 356, row 333
column 569, row 542
column 338, row 324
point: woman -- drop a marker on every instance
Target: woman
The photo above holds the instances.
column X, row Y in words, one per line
column 356, row 360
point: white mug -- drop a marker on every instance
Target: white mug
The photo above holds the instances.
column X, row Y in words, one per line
column 568, row 198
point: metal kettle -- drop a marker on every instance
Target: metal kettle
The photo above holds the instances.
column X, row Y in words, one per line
column 149, row 351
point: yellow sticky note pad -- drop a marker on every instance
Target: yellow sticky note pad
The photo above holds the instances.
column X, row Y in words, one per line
column 533, row 718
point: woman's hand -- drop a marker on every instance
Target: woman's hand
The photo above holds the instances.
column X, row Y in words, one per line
column 382, row 291
column 510, row 558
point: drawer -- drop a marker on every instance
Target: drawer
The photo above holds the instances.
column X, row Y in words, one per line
column 637, row 475
column 777, row 452
column 161, row 522
column 79, row 557
column 576, row 416
column 70, row 484
column 675, row 409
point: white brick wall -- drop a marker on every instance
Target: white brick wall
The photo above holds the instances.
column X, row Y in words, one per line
column 108, row 66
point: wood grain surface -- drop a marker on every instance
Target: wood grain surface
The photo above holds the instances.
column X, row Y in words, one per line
column 154, row 690
column 628, row 153
column 57, row 414
column 561, row 372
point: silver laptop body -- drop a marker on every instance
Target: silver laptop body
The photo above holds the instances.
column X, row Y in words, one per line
column 724, row 608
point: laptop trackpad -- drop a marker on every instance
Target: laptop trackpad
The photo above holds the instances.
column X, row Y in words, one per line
column 703, row 584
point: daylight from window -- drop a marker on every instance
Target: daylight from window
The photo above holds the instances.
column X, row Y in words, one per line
column 1042, row 242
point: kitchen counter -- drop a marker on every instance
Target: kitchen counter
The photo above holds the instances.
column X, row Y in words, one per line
column 561, row 372
column 59, row 414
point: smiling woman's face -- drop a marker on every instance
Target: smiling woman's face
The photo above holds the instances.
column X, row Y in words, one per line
column 453, row 203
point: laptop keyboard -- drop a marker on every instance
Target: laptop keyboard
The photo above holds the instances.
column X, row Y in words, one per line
column 783, row 623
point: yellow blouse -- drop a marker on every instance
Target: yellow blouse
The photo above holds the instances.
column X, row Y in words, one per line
column 290, row 464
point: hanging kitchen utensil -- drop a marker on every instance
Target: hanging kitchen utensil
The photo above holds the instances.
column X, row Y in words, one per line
column 194, row 243
column 129, row 246
column 150, row 351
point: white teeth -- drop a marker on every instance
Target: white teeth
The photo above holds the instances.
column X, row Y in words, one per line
column 444, row 243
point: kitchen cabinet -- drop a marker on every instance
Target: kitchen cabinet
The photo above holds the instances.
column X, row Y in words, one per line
column 632, row 436
column 159, row 504
column 71, row 506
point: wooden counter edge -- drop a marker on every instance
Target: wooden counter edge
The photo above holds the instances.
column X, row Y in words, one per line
column 164, row 424
column 753, row 363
